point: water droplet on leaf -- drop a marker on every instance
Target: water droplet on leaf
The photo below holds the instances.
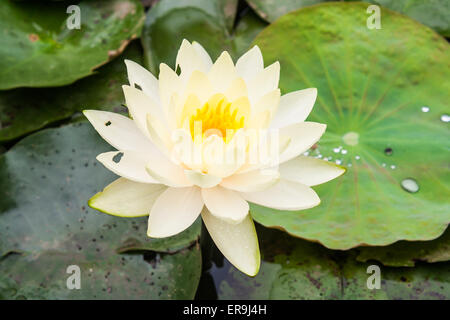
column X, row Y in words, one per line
column 410, row 185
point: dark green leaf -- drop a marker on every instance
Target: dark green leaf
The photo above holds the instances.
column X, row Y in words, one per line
column 38, row 50
column 46, row 226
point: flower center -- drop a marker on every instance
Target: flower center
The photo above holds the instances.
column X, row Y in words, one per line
column 217, row 116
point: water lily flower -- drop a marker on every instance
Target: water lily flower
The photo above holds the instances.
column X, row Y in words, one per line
column 208, row 108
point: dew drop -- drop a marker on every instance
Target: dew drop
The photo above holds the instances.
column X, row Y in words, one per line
column 349, row 165
column 338, row 161
column 445, row 118
column 357, row 157
column 383, row 165
column 410, row 185
column 336, row 150
column 393, row 167
column 344, row 151
column 425, row 109
column 388, row 151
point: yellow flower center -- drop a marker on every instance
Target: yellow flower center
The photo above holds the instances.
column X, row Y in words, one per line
column 218, row 116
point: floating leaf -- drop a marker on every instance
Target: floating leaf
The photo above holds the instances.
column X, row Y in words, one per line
column 37, row 49
column 204, row 21
column 406, row 253
column 46, row 226
column 296, row 269
column 24, row 110
column 372, row 87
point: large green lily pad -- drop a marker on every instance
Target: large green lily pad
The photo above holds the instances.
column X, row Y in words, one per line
column 38, row 50
column 46, row 226
column 432, row 13
column 382, row 94
column 297, row 269
column 204, row 21
column 407, row 254
column 24, row 110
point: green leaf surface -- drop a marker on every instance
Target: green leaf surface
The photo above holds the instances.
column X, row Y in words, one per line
column 204, row 21
column 46, row 226
column 432, row 13
column 406, row 254
column 382, row 94
column 25, row 110
column 37, row 49
column 270, row 10
column 296, row 269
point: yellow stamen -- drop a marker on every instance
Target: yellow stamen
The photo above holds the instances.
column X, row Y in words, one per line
column 217, row 116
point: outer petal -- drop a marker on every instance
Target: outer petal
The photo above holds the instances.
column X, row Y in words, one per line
column 139, row 104
column 174, row 211
column 237, row 242
column 310, row 171
column 285, row 195
column 250, row 64
column 268, row 102
column 225, row 204
column 169, row 84
column 252, row 181
column 201, row 179
column 127, row 164
column 189, row 60
column 294, row 107
column 119, row 131
column 222, row 73
column 143, row 78
column 302, row 136
column 125, row 198
column 203, row 54
column 264, row 82
column 168, row 173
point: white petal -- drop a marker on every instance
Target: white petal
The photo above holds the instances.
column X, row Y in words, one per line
column 225, row 204
column 169, row 84
column 143, row 78
column 203, row 54
column 119, row 131
column 236, row 90
column 174, row 211
column 159, row 134
column 139, row 104
column 310, row 171
column 125, row 198
column 250, row 64
column 268, row 102
column 222, row 73
column 294, row 107
column 167, row 172
column 302, row 136
column 189, row 60
column 237, row 242
column 264, row 82
column 252, row 181
column 285, row 195
column 201, row 179
column 127, row 164
column 200, row 86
